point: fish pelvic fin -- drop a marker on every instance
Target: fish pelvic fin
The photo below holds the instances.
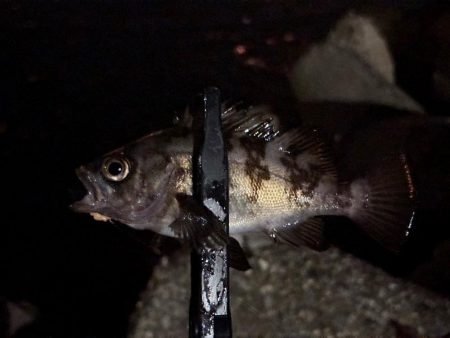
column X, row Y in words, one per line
column 236, row 256
column 383, row 204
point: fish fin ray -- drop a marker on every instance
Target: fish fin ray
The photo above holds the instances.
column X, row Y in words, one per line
column 236, row 256
column 387, row 200
column 197, row 224
column 307, row 142
column 253, row 121
column 239, row 120
column 309, row 233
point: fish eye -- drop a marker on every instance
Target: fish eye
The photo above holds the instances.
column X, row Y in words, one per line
column 115, row 169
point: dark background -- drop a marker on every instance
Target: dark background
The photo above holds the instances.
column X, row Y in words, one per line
column 80, row 79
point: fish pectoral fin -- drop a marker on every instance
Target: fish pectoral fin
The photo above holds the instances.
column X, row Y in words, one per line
column 198, row 224
column 309, row 233
column 236, row 256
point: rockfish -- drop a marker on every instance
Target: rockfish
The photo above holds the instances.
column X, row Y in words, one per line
column 280, row 183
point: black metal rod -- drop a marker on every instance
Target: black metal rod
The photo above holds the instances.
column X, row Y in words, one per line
column 209, row 314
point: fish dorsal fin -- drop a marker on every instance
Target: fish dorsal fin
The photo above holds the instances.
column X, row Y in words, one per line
column 240, row 120
column 253, row 121
column 306, row 146
column 309, row 233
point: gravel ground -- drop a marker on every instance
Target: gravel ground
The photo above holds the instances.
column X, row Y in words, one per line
column 296, row 293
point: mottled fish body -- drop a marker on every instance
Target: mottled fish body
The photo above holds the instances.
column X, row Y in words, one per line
column 280, row 183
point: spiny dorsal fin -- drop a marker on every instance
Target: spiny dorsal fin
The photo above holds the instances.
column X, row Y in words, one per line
column 253, row 121
column 309, row 233
column 260, row 123
column 241, row 121
column 307, row 146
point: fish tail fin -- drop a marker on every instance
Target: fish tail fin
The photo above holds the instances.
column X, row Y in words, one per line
column 383, row 203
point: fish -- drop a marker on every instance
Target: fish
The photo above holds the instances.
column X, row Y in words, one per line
column 282, row 182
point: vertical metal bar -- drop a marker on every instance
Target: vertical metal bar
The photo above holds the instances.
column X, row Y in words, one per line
column 209, row 309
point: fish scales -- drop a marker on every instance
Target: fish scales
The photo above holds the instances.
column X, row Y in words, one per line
column 261, row 201
column 280, row 183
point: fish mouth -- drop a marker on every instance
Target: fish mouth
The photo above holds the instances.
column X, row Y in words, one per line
column 90, row 202
column 95, row 204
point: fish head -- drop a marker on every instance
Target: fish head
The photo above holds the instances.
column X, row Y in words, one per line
column 133, row 185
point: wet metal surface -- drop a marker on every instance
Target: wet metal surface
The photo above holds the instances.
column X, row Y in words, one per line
column 209, row 310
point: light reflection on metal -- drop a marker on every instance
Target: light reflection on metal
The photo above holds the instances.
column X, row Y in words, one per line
column 209, row 309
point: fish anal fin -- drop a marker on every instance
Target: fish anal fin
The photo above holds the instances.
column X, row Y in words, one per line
column 309, row 233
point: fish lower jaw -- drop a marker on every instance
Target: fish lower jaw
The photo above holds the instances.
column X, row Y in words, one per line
column 87, row 204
